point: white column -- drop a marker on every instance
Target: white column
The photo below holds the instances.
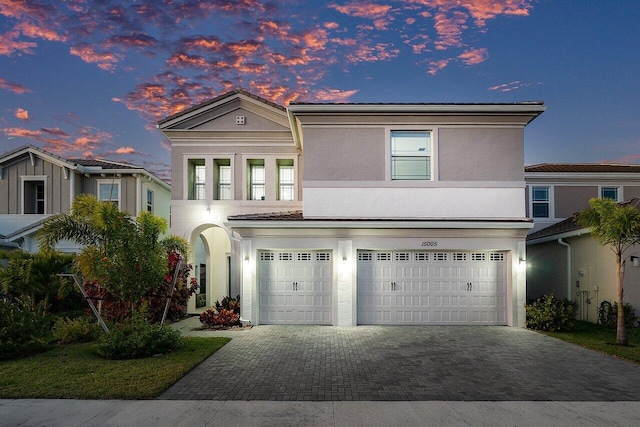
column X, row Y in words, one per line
column 346, row 288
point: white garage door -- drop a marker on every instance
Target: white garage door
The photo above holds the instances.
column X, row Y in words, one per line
column 434, row 288
column 295, row 287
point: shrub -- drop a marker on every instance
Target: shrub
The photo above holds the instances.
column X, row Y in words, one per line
column 24, row 327
column 224, row 317
column 228, row 303
column 138, row 338
column 549, row 313
column 80, row 329
column 608, row 315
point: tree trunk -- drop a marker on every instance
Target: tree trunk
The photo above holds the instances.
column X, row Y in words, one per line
column 621, row 332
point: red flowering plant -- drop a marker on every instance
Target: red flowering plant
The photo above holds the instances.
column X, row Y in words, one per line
column 116, row 310
column 213, row 318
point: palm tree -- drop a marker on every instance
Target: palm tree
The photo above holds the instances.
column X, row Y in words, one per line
column 125, row 255
column 616, row 225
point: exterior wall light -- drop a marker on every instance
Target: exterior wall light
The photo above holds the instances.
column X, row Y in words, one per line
column 635, row 261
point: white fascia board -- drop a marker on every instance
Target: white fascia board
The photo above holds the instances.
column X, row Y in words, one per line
column 533, row 107
column 50, row 158
column 555, row 237
column 364, row 224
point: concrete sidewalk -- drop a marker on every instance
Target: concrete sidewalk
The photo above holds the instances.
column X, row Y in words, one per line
column 158, row 413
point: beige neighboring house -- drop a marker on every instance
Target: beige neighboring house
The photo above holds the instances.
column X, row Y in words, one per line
column 349, row 214
column 35, row 184
column 562, row 257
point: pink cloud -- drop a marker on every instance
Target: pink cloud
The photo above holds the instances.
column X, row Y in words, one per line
column 13, row 87
column 22, row 114
column 105, row 60
column 474, row 56
column 436, row 66
column 126, row 150
column 334, row 95
column 508, row 87
column 362, row 9
column 9, row 44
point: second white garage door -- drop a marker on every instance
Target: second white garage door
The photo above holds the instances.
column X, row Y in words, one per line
column 433, row 288
column 295, row 287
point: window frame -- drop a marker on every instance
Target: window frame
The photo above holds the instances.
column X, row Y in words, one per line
column 218, row 164
column 432, row 132
column 112, row 182
column 150, row 201
column 252, row 183
column 290, row 164
column 603, row 188
column 533, row 202
column 30, row 179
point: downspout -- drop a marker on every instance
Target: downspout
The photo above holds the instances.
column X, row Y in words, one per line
column 568, row 246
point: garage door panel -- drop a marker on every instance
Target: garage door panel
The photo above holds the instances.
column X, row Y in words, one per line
column 432, row 287
column 295, row 287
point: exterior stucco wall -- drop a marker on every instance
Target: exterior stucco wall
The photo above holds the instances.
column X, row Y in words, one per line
column 344, row 154
column 631, row 191
column 476, row 154
column 571, row 199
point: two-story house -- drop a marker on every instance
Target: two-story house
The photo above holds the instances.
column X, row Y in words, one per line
column 562, row 257
column 35, row 184
column 349, row 214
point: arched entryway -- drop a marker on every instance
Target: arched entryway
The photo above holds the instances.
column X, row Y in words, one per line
column 211, row 259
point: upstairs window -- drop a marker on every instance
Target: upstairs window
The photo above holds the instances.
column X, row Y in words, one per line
column 149, row 201
column 197, row 178
column 257, row 180
column 109, row 191
column 34, row 197
column 410, row 155
column 609, row 193
column 223, row 178
column 286, row 180
column 540, row 202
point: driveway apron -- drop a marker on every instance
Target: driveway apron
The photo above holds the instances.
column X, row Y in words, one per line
column 408, row 363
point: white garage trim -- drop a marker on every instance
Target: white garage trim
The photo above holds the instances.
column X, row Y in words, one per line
column 295, row 287
column 432, row 287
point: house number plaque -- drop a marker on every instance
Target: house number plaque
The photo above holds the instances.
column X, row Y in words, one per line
column 429, row 244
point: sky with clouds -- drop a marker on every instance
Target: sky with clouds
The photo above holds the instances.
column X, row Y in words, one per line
column 88, row 78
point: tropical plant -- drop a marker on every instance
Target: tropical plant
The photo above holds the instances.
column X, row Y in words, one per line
column 616, row 225
column 35, row 276
column 212, row 318
column 125, row 255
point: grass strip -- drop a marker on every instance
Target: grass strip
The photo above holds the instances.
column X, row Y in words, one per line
column 77, row 372
column 602, row 339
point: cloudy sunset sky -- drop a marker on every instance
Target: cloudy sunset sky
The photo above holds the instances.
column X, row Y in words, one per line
column 91, row 78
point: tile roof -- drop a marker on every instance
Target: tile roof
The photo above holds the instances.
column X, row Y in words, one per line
column 570, row 224
column 583, row 168
column 103, row 164
column 218, row 98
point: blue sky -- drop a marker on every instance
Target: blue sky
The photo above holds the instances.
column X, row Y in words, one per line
column 91, row 78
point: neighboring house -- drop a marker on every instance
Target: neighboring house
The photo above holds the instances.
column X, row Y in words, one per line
column 35, row 184
column 349, row 214
column 562, row 257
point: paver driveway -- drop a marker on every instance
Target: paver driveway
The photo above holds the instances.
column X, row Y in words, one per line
column 319, row 363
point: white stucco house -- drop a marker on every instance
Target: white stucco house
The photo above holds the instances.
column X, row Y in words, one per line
column 348, row 214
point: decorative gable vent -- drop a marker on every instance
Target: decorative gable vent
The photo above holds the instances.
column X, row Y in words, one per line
column 240, row 120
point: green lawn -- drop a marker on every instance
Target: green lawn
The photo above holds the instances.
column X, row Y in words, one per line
column 602, row 339
column 77, row 372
